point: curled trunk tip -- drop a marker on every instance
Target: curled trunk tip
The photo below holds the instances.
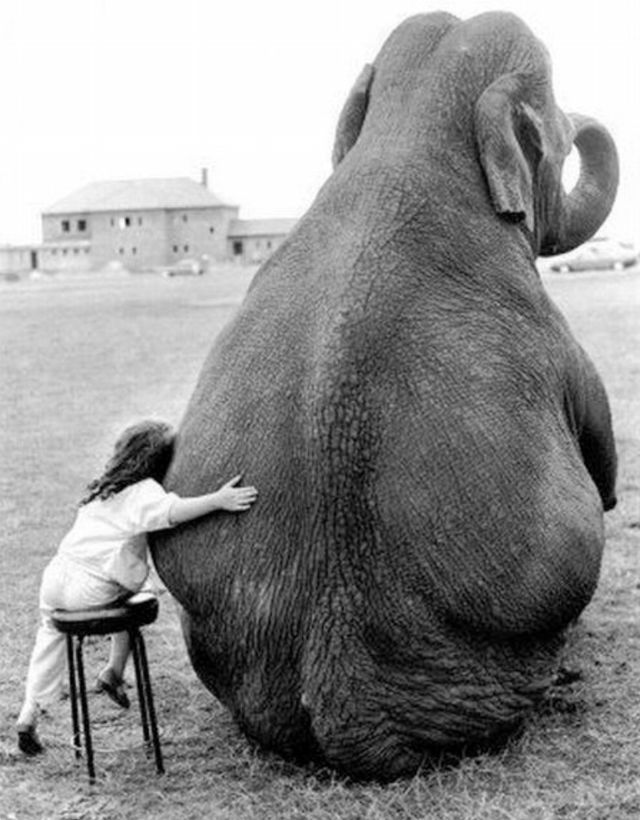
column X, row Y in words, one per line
column 587, row 206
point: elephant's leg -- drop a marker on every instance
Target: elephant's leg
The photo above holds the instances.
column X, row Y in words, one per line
column 382, row 708
column 591, row 416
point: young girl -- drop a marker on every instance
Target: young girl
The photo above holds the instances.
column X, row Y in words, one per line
column 103, row 559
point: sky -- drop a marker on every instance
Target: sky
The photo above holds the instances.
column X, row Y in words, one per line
column 251, row 89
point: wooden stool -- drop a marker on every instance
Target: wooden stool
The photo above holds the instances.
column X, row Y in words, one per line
column 137, row 611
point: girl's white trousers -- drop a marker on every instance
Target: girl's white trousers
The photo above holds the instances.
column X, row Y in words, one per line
column 65, row 585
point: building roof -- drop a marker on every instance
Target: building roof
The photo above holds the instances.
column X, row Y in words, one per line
column 260, row 227
column 137, row 195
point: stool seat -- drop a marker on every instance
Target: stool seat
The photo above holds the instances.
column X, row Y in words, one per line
column 139, row 610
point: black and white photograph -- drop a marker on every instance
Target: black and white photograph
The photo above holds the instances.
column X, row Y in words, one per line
column 320, row 396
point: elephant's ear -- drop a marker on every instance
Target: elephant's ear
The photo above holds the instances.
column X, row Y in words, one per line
column 352, row 115
column 510, row 139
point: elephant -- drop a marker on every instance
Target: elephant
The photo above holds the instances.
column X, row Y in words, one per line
column 432, row 447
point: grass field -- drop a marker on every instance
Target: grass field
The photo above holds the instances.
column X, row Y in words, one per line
column 81, row 358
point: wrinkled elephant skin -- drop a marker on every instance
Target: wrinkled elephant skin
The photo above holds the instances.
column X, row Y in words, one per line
column 432, row 448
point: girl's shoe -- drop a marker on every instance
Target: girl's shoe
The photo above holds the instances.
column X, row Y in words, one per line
column 115, row 689
column 28, row 741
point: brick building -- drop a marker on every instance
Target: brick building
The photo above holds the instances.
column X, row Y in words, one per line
column 254, row 240
column 146, row 224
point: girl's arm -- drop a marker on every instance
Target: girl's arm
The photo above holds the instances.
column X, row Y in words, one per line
column 228, row 497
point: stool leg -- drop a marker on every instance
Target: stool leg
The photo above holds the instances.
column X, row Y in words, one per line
column 85, row 711
column 135, row 651
column 73, row 696
column 144, row 666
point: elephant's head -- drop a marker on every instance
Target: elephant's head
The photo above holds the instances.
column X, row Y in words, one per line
column 481, row 89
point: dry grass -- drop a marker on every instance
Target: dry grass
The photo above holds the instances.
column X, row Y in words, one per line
column 80, row 359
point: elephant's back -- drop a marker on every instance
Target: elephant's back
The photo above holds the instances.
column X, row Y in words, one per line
column 425, row 422
column 420, row 504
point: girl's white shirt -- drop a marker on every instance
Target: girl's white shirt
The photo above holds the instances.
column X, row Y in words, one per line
column 108, row 537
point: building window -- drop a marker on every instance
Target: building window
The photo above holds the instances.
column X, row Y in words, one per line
column 124, row 222
column 120, row 250
column 64, row 251
column 212, row 229
column 66, row 226
column 185, row 218
column 186, row 248
column 113, row 222
column 175, row 249
column 76, row 251
column 82, row 225
column 238, row 248
column 139, row 220
column 268, row 244
column 134, row 251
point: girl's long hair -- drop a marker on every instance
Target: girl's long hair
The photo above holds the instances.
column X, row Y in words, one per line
column 143, row 450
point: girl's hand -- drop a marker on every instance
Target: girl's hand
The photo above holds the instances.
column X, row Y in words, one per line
column 235, row 499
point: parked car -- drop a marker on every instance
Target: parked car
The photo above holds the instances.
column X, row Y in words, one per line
column 600, row 253
column 185, row 267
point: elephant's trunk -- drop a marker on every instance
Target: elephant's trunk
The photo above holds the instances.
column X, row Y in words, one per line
column 589, row 203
